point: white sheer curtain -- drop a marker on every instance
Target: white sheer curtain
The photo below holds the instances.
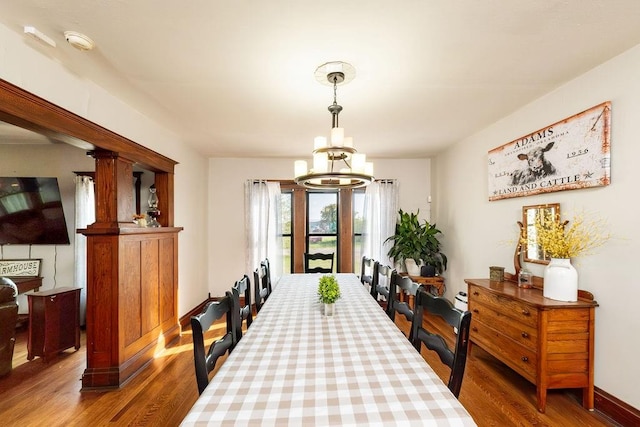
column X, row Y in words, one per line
column 85, row 215
column 262, row 226
column 380, row 216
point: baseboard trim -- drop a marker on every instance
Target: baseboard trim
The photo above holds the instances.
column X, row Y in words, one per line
column 185, row 321
column 616, row 409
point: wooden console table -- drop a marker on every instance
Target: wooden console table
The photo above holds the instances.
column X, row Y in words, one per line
column 436, row 282
column 548, row 342
column 54, row 322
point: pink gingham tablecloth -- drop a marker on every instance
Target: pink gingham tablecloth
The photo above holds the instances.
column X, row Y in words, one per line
column 295, row 367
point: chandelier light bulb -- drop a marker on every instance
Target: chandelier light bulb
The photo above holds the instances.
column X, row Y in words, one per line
column 300, row 168
column 337, row 137
column 319, row 142
column 357, row 162
column 320, row 163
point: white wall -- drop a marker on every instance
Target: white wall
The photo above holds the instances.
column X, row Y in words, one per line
column 226, row 204
column 33, row 71
column 477, row 231
column 59, row 160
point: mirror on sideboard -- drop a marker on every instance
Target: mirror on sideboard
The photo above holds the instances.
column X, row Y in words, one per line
column 532, row 252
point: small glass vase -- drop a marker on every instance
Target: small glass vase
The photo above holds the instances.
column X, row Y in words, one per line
column 560, row 280
column 329, row 309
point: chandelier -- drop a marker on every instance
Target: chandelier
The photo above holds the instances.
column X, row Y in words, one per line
column 336, row 163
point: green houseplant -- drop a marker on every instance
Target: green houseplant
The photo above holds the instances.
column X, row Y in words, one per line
column 328, row 293
column 417, row 241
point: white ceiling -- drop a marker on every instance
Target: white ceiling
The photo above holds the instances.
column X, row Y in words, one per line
column 236, row 78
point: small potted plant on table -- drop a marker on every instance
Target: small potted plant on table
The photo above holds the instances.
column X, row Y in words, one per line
column 328, row 293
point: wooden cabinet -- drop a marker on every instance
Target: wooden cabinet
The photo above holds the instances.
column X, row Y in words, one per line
column 54, row 322
column 548, row 342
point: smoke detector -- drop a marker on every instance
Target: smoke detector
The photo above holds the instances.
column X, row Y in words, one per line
column 79, row 40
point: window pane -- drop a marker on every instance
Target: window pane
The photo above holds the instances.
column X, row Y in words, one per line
column 325, row 245
column 285, row 210
column 358, row 212
column 357, row 254
column 322, row 213
column 286, row 219
column 286, row 255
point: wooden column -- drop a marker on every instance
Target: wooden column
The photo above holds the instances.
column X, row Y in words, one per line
column 114, row 198
column 132, row 272
column 164, row 190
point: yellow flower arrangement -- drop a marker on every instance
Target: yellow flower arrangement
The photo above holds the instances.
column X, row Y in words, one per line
column 559, row 241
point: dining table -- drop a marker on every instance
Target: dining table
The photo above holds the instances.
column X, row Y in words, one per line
column 297, row 367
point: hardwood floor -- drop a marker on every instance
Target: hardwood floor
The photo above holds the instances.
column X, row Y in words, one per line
column 39, row 394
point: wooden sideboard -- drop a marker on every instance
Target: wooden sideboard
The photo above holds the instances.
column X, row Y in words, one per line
column 548, row 342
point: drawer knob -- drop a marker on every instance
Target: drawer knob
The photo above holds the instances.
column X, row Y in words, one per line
column 475, row 310
column 476, row 293
column 524, row 358
column 526, row 312
column 474, row 329
column 525, row 335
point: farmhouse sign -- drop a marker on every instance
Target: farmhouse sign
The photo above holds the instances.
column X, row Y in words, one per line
column 567, row 155
column 20, row 267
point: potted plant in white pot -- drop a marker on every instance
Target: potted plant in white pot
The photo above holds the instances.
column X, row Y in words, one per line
column 328, row 293
column 416, row 242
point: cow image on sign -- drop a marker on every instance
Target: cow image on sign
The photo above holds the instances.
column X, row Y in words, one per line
column 537, row 166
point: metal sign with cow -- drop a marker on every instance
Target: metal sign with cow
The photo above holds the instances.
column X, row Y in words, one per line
column 567, row 155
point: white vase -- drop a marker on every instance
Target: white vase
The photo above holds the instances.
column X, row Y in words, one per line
column 329, row 309
column 413, row 268
column 560, row 280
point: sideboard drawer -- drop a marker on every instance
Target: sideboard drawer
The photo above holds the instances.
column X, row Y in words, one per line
column 515, row 309
column 522, row 333
column 519, row 357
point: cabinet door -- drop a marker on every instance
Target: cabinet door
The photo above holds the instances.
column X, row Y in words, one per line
column 66, row 319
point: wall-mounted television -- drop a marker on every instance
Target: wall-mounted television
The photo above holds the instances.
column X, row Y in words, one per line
column 31, row 212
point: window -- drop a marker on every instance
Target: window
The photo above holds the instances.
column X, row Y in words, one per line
column 357, row 207
column 319, row 221
column 322, row 224
column 287, row 236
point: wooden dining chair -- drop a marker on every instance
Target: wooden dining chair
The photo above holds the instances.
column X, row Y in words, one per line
column 456, row 359
column 261, row 286
column 402, row 292
column 366, row 272
column 206, row 362
column 267, row 273
column 318, row 258
column 243, row 287
column 381, row 282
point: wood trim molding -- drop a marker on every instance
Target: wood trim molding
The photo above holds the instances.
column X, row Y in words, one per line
column 29, row 111
column 616, row 409
column 185, row 321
